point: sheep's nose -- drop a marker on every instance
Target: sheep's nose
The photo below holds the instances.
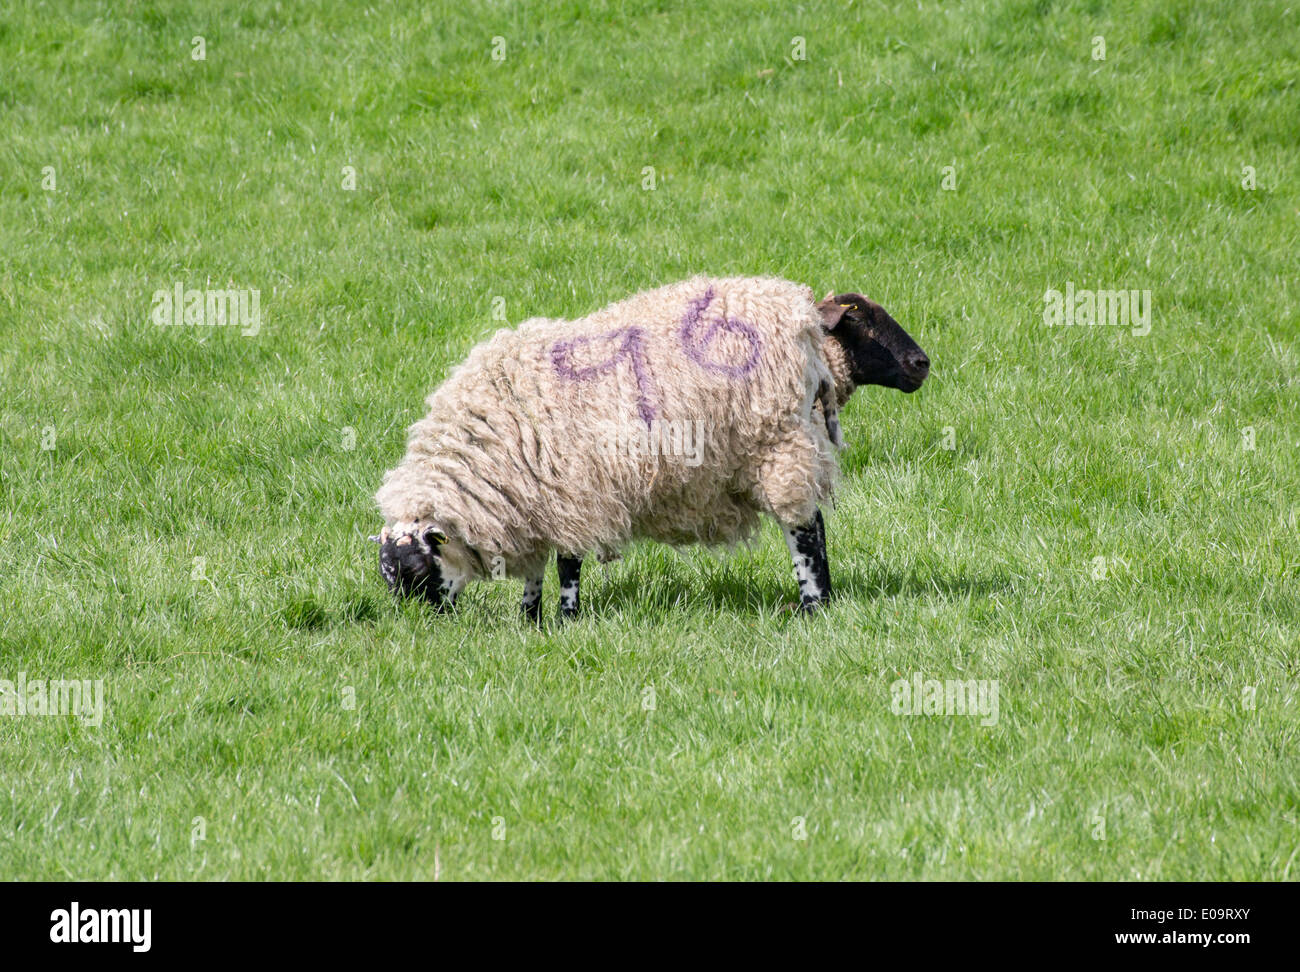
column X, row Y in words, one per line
column 918, row 363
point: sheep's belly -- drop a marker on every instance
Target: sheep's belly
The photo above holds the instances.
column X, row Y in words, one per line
column 718, row 520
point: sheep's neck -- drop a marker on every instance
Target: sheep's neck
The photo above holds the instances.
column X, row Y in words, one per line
column 835, row 357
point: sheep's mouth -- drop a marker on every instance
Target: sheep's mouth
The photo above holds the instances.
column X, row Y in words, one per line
column 909, row 385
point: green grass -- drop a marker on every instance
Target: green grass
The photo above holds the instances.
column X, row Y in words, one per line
column 1156, row 703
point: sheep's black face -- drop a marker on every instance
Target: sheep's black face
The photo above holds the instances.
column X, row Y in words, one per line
column 411, row 567
column 878, row 350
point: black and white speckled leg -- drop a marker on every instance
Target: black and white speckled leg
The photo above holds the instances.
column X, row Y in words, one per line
column 532, row 605
column 568, row 568
column 807, row 545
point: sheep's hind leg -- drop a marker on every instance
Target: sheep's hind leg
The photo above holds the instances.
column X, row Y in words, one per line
column 568, row 568
column 532, row 606
column 807, row 545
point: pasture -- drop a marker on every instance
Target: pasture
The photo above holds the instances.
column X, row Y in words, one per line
column 1100, row 522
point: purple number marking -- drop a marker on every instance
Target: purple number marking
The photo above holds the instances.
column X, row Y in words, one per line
column 631, row 349
column 695, row 343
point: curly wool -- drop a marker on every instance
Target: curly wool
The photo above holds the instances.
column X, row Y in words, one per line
column 513, row 456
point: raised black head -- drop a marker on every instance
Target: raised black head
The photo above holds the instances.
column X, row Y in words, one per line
column 877, row 350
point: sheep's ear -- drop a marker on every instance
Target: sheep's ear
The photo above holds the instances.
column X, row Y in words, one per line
column 375, row 538
column 832, row 312
column 382, row 537
column 833, row 309
column 434, row 537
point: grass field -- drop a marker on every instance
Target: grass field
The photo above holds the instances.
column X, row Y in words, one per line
column 270, row 713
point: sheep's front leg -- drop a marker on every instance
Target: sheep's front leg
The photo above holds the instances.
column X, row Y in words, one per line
column 568, row 568
column 807, row 545
column 532, row 605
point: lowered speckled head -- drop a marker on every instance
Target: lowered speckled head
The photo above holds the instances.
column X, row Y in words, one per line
column 411, row 563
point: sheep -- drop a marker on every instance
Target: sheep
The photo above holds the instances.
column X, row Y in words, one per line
column 568, row 436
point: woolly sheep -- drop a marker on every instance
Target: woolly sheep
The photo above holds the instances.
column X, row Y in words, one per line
column 679, row 414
